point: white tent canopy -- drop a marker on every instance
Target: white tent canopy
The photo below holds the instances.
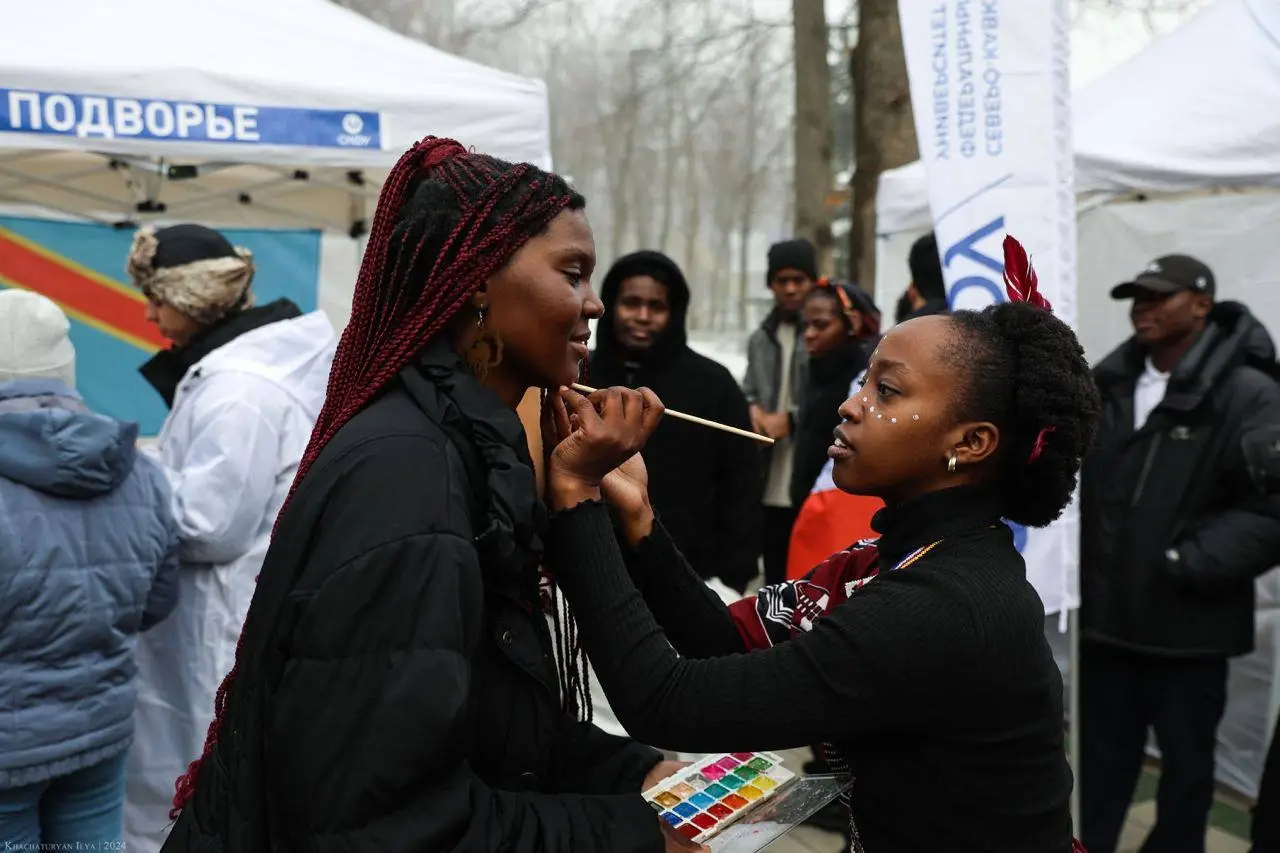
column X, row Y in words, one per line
column 245, row 112
column 1193, row 111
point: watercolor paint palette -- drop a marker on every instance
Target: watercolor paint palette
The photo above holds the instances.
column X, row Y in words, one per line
column 709, row 795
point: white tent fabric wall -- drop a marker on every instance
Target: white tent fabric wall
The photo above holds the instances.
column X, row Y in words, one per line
column 276, row 103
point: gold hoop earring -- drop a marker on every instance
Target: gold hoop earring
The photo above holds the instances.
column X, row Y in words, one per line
column 951, row 464
column 485, row 353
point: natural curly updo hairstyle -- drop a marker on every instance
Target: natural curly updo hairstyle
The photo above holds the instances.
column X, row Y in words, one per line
column 1023, row 370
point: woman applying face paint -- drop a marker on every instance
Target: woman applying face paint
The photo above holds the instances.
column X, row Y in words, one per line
column 917, row 661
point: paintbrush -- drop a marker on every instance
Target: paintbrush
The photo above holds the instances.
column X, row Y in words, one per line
column 693, row 419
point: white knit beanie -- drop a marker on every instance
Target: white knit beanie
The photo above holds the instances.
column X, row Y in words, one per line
column 34, row 339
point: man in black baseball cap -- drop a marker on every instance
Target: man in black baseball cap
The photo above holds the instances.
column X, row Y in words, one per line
column 1179, row 513
column 1169, row 274
column 1172, row 299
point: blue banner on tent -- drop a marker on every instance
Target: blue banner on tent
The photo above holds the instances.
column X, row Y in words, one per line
column 104, row 117
column 81, row 267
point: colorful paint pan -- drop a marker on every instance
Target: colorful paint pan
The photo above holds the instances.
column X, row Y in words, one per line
column 704, row 798
column 713, row 772
column 702, row 801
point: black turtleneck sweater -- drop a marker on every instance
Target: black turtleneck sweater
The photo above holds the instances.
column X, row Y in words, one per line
column 935, row 682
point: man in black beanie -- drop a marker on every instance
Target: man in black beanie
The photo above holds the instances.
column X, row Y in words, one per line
column 772, row 383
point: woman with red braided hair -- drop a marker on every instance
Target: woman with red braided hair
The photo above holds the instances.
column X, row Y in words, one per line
column 397, row 687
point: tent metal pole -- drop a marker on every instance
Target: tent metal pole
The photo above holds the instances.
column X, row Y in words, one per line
column 1073, row 718
column 19, row 179
column 73, row 215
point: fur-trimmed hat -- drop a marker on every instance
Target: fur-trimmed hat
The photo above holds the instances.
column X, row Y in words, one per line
column 193, row 269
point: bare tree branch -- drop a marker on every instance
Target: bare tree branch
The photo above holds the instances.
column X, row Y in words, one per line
column 672, row 116
column 513, row 19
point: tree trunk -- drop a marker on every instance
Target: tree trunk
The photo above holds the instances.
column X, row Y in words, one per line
column 674, row 103
column 884, row 130
column 693, row 229
column 750, row 181
column 813, row 135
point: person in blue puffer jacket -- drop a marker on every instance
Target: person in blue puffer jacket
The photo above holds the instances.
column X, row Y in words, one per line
column 88, row 559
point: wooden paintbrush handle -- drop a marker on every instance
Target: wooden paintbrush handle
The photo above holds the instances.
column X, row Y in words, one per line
column 693, row 419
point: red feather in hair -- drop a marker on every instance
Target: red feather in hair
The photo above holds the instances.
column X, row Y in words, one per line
column 1020, row 280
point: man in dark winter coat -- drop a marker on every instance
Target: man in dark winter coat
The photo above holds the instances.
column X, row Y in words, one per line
column 705, row 484
column 775, row 375
column 1180, row 512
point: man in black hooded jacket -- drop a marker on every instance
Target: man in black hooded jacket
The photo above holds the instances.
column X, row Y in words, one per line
column 1180, row 513
column 705, row 484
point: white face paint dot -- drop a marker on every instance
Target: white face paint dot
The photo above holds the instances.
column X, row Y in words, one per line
column 915, row 417
column 881, row 417
column 872, row 409
column 893, row 420
column 865, row 400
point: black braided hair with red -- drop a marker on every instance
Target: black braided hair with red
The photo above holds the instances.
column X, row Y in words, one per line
column 447, row 220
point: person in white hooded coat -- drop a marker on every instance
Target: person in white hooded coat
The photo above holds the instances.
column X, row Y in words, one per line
column 245, row 385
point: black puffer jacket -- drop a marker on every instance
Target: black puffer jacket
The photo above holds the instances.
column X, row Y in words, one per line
column 1179, row 517
column 397, row 690
column 705, row 484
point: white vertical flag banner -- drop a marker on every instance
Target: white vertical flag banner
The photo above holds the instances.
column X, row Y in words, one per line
column 991, row 90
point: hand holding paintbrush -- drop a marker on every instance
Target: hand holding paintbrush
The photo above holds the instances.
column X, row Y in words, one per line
column 595, row 437
column 592, row 436
column 694, row 419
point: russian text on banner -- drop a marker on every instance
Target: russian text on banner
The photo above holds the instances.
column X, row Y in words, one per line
column 990, row 91
column 102, row 117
